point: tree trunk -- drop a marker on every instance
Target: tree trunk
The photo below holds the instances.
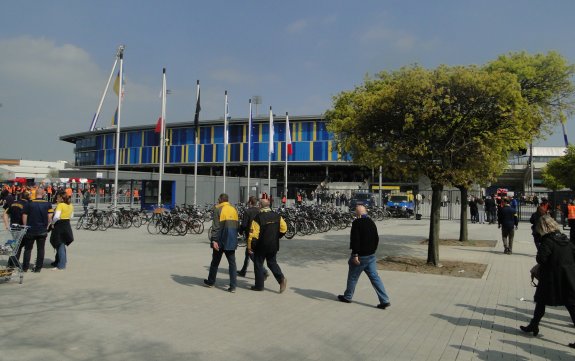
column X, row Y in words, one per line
column 463, row 221
column 433, row 245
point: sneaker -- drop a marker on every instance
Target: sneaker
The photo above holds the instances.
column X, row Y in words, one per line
column 242, row 273
column 283, row 285
column 343, row 299
column 383, row 306
column 232, row 290
column 208, row 284
column 254, row 288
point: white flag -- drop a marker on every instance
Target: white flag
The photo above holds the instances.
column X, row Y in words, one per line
column 271, row 133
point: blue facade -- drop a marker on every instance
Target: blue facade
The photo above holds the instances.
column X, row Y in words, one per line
column 311, row 142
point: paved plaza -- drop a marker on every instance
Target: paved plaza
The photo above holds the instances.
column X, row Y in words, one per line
column 129, row 295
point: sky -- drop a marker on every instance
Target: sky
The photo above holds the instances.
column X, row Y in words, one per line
column 56, row 56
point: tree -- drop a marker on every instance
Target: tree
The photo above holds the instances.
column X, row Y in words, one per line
column 560, row 172
column 546, row 85
column 431, row 122
column 53, row 173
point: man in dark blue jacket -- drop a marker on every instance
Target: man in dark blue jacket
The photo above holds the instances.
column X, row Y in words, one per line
column 38, row 216
column 507, row 221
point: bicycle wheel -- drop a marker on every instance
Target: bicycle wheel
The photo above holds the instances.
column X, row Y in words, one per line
column 80, row 222
column 196, row 226
column 291, row 230
column 153, row 227
column 137, row 221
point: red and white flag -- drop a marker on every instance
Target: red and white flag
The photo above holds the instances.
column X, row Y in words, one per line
column 288, row 137
column 158, row 126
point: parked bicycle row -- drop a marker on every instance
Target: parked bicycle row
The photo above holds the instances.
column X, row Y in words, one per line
column 302, row 220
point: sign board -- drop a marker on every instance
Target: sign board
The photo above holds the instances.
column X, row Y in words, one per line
column 99, row 175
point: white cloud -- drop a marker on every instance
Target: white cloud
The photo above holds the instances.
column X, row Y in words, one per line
column 382, row 35
column 297, row 26
column 48, row 90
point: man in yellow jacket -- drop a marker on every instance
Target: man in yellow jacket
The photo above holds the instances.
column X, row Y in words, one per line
column 224, row 240
column 266, row 230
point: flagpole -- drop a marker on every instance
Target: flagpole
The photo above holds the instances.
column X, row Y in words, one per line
column 121, row 86
column 249, row 150
column 270, row 150
column 97, row 114
column 197, row 131
column 225, row 137
column 286, row 156
column 162, row 137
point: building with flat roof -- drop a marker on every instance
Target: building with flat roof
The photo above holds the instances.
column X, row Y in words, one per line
column 315, row 160
column 32, row 170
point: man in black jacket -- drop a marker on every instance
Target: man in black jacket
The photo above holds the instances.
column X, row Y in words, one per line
column 37, row 215
column 264, row 241
column 507, row 221
column 247, row 219
column 363, row 243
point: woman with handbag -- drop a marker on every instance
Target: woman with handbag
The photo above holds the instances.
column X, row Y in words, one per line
column 62, row 235
column 556, row 260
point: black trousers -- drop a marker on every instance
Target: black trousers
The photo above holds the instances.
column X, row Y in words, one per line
column 540, row 312
column 250, row 256
column 270, row 258
column 571, row 229
column 40, row 240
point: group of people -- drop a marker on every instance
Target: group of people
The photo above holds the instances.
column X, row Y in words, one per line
column 263, row 228
column 41, row 218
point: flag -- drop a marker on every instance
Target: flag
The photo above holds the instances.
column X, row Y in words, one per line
column 271, row 132
column 115, row 118
column 117, row 85
column 158, row 126
column 288, row 137
column 565, row 135
column 227, row 118
column 197, row 116
column 250, row 127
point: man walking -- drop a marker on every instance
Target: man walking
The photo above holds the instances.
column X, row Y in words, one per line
column 37, row 215
column 363, row 244
column 224, row 240
column 507, row 221
column 264, row 241
column 247, row 219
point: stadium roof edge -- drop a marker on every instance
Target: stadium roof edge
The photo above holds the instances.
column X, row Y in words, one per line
column 72, row 138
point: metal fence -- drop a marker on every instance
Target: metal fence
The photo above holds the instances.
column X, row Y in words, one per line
column 451, row 204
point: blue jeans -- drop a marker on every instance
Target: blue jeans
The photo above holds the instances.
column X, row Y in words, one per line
column 366, row 264
column 61, row 256
column 216, row 258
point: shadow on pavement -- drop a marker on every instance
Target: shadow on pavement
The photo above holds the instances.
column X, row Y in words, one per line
column 315, row 294
column 555, row 353
column 548, row 315
column 491, row 354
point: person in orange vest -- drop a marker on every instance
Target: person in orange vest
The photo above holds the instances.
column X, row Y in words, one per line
column 49, row 192
column 571, row 220
column 136, row 195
